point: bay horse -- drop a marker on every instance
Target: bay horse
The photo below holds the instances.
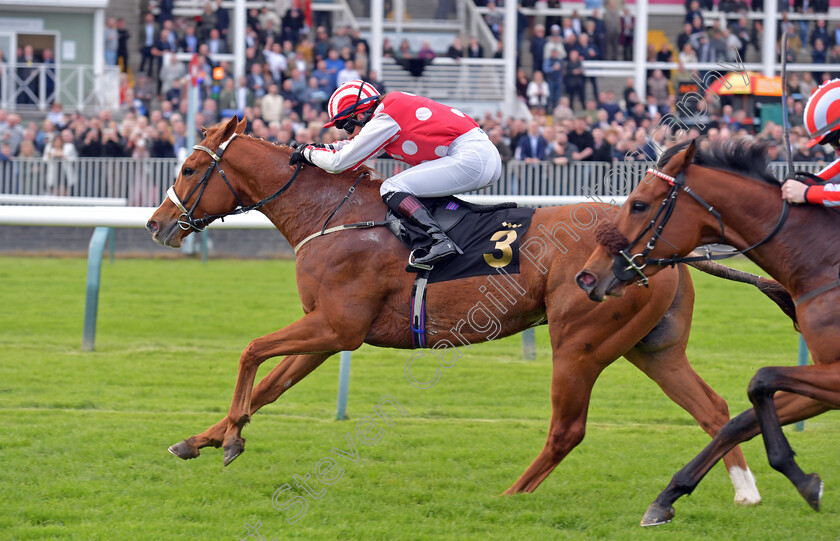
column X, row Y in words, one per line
column 736, row 201
column 354, row 290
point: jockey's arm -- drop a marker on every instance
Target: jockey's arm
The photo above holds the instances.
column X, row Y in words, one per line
column 825, row 194
column 351, row 153
column 830, row 171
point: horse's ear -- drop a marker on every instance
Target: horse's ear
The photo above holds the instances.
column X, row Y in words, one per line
column 240, row 128
column 228, row 130
column 688, row 155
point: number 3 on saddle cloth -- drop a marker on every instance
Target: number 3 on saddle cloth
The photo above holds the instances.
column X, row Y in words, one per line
column 488, row 235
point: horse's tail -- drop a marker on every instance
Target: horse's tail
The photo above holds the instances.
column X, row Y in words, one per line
column 769, row 287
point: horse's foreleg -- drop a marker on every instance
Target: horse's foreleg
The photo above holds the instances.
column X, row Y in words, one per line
column 790, row 408
column 671, row 370
column 311, row 334
column 571, row 385
column 818, row 382
column 285, row 375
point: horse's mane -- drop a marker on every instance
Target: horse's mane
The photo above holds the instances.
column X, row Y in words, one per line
column 741, row 156
column 352, row 175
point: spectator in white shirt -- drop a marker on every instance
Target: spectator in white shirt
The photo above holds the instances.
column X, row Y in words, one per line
column 349, row 73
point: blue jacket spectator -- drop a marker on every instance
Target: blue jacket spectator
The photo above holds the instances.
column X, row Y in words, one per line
column 819, row 32
column 323, row 77
column 532, row 147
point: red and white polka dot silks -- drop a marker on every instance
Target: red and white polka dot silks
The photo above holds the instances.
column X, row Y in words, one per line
column 427, row 127
column 822, row 109
column 345, row 96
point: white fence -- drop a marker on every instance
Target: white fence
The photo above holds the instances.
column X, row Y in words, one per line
column 448, row 80
column 144, row 182
column 141, row 182
column 77, row 87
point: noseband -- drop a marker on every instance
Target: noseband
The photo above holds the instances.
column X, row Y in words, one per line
column 626, row 266
column 187, row 221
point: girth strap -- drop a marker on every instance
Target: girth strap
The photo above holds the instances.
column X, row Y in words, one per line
column 357, row 225
column 819, row 291
column 418, row 310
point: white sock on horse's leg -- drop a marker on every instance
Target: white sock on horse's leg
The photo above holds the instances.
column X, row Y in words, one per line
column 746, row 492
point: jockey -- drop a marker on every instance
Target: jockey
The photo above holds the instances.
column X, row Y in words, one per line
column 448, row 150
column 822, row 120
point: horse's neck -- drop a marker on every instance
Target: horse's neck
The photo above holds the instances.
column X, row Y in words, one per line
column 802, row 255
column 305, row 207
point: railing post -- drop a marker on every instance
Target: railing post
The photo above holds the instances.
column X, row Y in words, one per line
column 111, row 236
column 529, row 344
column 42, row 87
column 95, row 252
column 803, row 360
column 204, row 242
column 80, row 88
column 343, row 385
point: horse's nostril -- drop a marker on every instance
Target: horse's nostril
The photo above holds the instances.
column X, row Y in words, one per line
column 152, row 226
column 586, row 279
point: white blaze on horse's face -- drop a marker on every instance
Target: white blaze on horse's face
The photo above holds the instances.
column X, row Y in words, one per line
column 163, row 230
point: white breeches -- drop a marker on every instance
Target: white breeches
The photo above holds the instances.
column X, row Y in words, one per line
column 471, row 162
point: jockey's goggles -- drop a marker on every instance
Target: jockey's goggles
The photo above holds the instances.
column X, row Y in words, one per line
column 349, row 122
column 832, row 139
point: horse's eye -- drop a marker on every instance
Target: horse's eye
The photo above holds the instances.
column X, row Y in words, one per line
column 188, row 171
column 638, row 206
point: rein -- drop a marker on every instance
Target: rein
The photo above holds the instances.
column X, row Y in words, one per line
column 187, row 220
column 626, row 268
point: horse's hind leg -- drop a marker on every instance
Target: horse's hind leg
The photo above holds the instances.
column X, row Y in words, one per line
column 820, row 382
column 286, row 374
column 671, row 370
column 571, row 387
column 789, row 408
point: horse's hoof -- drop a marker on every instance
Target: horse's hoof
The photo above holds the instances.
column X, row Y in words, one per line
column 657, row 514
column 184, row 451
column 236, row 448
column 812, row 491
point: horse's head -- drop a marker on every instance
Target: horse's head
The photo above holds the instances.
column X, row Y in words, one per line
column 201, row 192
column 618, row 261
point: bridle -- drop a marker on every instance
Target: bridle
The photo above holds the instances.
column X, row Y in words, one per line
column 626, row 266
column 187, row 221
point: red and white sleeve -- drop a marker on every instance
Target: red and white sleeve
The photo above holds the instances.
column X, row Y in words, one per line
column 350, row 154
column 825, row 194
column 830, row 171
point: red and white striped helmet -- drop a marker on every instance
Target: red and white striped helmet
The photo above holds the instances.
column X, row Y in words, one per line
column 822, row 112
column 350, row 98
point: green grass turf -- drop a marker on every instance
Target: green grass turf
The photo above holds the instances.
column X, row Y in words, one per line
column 83, row 436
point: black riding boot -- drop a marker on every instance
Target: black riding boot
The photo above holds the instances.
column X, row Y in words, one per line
column 410, row 207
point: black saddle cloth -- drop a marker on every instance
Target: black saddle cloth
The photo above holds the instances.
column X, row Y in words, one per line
column 488, row 235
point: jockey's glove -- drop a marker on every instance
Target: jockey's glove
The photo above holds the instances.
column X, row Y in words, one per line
column 303, row 154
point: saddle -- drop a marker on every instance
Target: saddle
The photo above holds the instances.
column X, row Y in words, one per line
column 476, row 229
column 489, row 235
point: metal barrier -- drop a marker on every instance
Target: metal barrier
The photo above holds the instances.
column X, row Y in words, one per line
column 143, row 182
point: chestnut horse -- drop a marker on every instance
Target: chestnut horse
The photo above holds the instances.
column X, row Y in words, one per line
column 798, row 246
column 354, row 290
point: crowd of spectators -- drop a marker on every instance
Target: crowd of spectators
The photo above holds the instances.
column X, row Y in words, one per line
column 710, row 34
column 293, row 68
